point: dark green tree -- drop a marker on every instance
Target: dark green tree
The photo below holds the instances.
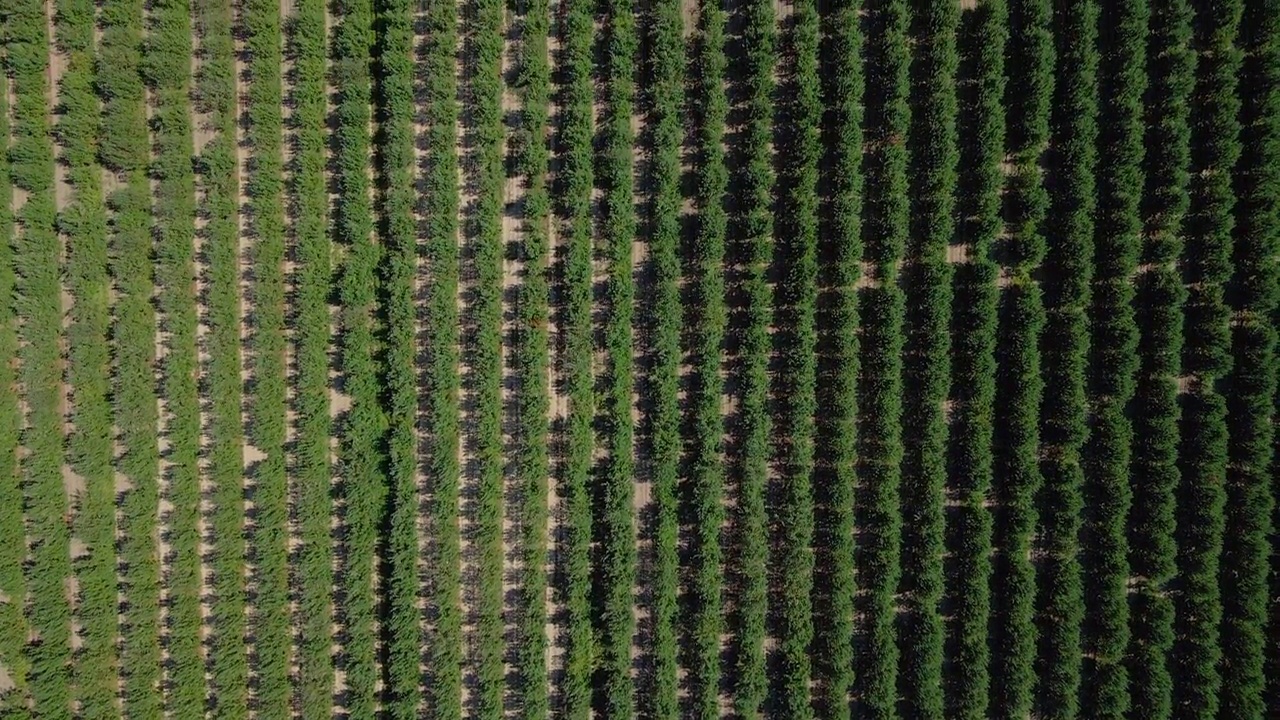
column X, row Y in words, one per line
column 438, row 207
column 1158, row 299
column 360, row 429
column 1113, row 360
column 168, row 63
column 663, row 100
column 1029, row 57
column 531, row 356
column 312, row 280
column 1064, row 347
column 124, row 150
column 402, row 627
column 840, row 255
column 707, row 318
column 885, row 227
column 1251, row 296
column 483, row 349
column 796, row 257
column 615, row 561
column 752, row 238
column 83, row 223
column 926, row 278
column 981, row 124
column 1206, row 360
column 574, row 184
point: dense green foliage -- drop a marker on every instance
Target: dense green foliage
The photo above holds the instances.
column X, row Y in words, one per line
column 13, row 631
column 574, row 184
column 981, row 125
column 885, row 226
column 1067, row 275
column 531, row 357
column 926, row 344
column 1206, row 269
column 707, row 318
column 306, row 197
column 884, row 358
column 440, row 378
column 484, row 352
column 36, row 253
column 364, row 490
column 1113, row 359
column 270, row 619
column 84, row 224
column 168, row 70
column 395, row 154
column 1159, row 296
column 752, row 233
column 1029, row 63
column 218, row 188
column 664, row 68
column 615, row 562
column 124, row 150
column 795, row 302
column 839, row 254
column 1251, row 295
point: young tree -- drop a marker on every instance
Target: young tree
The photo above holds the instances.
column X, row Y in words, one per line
column 83, row 223
column 168, row 70
column 124, row 149
column 220, row 374
column 361, row 428
column 36, row 254
column 13, row 536
column 312, row 279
